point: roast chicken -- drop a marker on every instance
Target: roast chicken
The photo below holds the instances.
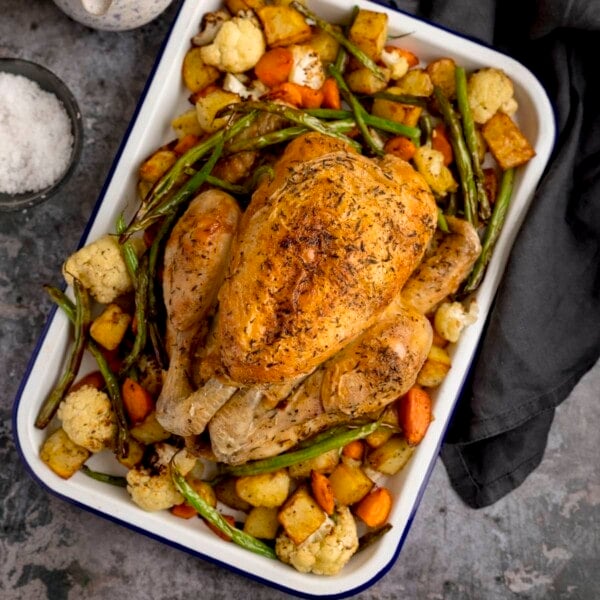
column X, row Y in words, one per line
column 312, row 325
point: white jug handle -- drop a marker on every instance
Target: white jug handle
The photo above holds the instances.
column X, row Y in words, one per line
column 96, row 7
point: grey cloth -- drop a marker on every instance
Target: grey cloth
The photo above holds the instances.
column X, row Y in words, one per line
column 543, row 332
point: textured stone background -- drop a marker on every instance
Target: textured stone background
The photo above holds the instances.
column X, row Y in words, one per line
column 540, row 542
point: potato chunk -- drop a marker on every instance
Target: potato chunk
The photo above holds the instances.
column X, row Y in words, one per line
column 195, row 72
column 369, row 32
column 349, row 483
column 506, row 142
column 109, row 328
column 283, row 26
column 301, row 516
column 265, row 489
column 63, row 455
column 390, row 458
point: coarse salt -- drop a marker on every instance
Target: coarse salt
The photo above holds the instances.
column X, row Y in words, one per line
column 36, row 140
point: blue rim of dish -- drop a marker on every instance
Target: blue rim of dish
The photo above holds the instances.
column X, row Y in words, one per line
column 252, row 576
column 49, row 82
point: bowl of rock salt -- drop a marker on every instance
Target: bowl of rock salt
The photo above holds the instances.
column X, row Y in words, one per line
column 41, row 134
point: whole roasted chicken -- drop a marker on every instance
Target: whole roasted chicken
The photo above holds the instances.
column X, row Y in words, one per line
column 311, row 326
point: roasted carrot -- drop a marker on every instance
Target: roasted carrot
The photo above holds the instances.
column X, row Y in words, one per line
column 374, row 509
column 354, row 450
column 93, row 379
column 137, row 400
column 230, row 519
column 331, row 94
column 183, row 511
column 411, row 58
column 311, row 98
column 287, row 92
column 322, row 491
column 185, row 143
column 441, row 143
column 414, row 414
column 274, row 66
column 401, row 147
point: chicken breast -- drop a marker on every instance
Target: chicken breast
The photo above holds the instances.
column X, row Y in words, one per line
column 322, row 250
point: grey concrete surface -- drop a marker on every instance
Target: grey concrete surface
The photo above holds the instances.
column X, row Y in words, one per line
column 540, row 542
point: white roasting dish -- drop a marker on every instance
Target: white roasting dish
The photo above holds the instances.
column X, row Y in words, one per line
column 164, row 98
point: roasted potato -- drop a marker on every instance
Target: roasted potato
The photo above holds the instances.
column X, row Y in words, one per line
column 436, row 367
column 196, row 74
column 227, row 494
column 149, row 430
column 408, row 114
column 110, row 326
column 209, row 105
column 262, row 522
column 369, row 32
column 324, row 463
column 324, row 45
column 390, row 457
column 442, row 74
column 301, row 516
column 349, row 484
column 63, row 455
column 416, row 82
column 266, row 489
column 187, row 123
column 156, row 165
column 506, row 142
column 283, row 26
column 364, row 81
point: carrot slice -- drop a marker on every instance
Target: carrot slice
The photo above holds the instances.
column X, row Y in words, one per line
column 374, row 509
column 137, row 400
column 441, row 143
column 274, row 66
column 311, row 98
column 322, row 491
column 94, row 379
column 400, row 146
column 183, row 511
column 354, row 450
column 287, row 92
column 331, row 94
column 414, row 414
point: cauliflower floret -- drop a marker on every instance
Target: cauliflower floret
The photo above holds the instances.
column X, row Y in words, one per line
column 153, row 488
column 236, row 85
column 88, row 418
column 452, row 317
column 237, row 46
column 490, row 90
column 307, row 67
column 101, row 269
column 395, row 62
column 327, row 550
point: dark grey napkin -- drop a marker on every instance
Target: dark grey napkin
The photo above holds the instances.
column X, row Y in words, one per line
column 543, row 332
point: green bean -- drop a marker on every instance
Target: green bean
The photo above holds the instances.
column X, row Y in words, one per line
column 304, row 453
column 362, row 58
column 461, row 156
column 127, row 249
column 358, row 111
column 299, row 117
column 492, row 232
column 402, row 98
column 214, row 517
column 81, row 322
column 468, row 125
column 112, row 384
column 115, row 480
column 372, row 536
column 160, row 203
column 442, row 224
column 142, row 284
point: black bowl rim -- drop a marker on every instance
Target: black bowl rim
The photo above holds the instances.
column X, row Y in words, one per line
column 49, row 82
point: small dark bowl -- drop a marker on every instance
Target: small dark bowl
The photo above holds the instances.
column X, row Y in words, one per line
column 50, row 83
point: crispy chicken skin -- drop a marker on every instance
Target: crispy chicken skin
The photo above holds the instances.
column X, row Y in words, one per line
column 322, row 250
column 195, row 262
column 360, row 380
